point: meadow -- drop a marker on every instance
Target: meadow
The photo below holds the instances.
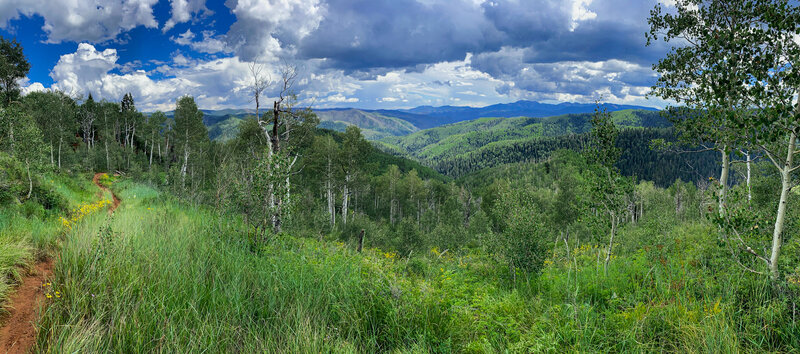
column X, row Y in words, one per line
column 161, row 275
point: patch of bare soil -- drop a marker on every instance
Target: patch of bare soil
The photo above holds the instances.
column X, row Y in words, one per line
column 18, row 332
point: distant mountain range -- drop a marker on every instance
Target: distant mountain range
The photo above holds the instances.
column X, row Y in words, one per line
column 382, row 123
column 450, row 114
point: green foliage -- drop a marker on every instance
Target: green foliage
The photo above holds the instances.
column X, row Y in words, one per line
column 524, row 239
column 373, row 124
column 13, row 67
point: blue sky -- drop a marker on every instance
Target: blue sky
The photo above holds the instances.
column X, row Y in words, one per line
column 351, row 53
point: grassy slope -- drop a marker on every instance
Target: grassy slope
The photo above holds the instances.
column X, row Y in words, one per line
column 29, row 230
column 162, row 276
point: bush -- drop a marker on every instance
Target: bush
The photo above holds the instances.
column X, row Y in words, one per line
column 48, row 198
column 523, row 239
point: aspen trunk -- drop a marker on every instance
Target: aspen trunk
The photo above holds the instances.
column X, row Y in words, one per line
column 345, row 196
column 30, row 180
column 782, row 204
column 723, row 179
column 60, row 140
column 185, row 164
column 749, row 191
column 610, row 242
column 329, row 194
column 151, row 154
column 108, row 162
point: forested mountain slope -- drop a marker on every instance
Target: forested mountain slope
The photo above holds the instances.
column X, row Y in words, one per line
column 223, row 124
column 383, row 123
column 464, row 137
column 451, row 114
column 462, row 148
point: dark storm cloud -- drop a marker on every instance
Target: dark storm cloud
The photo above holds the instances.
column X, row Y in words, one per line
column 595, row 41
column 358, row 34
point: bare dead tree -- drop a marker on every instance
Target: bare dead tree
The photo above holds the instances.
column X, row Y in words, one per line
column 260, row 83
column 281, row 128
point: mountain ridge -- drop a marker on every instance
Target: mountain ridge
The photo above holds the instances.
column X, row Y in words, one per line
column 378, row 124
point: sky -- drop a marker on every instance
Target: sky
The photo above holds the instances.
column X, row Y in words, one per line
column 367, row 54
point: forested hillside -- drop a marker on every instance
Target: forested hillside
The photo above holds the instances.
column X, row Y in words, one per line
column 459, row 138
column 273, row 231
column 223, row 124
column 462, row 148
column 380, row 124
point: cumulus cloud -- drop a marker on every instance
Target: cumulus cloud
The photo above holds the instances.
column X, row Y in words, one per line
column 211, row 43
column 340, row 98
column 584, row 81
column 397, row 53
column 184, row 11
column 94, row 21
column 215, row 83
column 27, row 87
column 267, row 29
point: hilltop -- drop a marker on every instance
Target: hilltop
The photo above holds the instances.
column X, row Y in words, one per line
column 380, row 124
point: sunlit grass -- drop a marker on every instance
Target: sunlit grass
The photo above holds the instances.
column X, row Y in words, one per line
column 162, row 276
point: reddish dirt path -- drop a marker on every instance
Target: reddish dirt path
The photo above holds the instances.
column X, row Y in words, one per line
column 96, row 181
column 18, row 333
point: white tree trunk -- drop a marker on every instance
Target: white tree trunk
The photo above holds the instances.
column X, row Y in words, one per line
column 30, row 180
column 151, row 154
column 610, row 242
column 749, row 191
column 723, row 179
column 345, row 197
column 108, row 162
column 288, row 196
column 60, row 140
column 185, row 164
column 786, row 180
column 329, row 193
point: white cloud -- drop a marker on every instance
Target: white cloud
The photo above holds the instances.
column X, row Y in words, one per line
column 211, row 43
column 184, row 11
column 85, row 67
column 215, row 84
column 340, row 98
column 27, row 87
column 580, row 12
column 80, row 20
column 265, row 29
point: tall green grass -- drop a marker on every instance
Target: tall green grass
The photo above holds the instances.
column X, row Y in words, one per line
column 29, row 230
column 160, row 276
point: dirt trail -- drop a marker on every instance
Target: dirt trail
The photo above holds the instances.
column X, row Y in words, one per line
column 116, row 202
column 18, row 334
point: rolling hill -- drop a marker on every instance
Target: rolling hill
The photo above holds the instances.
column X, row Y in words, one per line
column 451, row 114
column 464, row 137
column 382, row 124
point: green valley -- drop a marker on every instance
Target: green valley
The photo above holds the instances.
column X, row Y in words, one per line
column 427, row 204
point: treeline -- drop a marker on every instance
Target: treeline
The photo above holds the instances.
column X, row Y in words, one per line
column 65, row 134
column 308, row 181
column 638, row 157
